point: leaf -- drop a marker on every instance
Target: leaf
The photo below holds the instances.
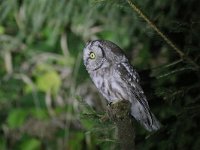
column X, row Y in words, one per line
column 16, row 118
column 30, row 144
column 49, row 81
column 2, row 30
column 39, row 113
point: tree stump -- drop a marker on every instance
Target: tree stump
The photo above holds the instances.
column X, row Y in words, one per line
column 119, row 113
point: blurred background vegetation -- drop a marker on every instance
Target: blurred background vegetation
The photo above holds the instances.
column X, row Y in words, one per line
column 47, row 100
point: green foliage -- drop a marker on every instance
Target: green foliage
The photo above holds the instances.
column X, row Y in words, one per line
column 16, row 118
column 30, row 144
column 48, row 81
column 43, row 77
column 74, row 142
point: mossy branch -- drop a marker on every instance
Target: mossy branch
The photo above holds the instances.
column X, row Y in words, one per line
column 165, row 38
column 119, row 113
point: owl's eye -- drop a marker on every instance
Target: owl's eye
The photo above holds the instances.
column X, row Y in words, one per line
column 92, row 55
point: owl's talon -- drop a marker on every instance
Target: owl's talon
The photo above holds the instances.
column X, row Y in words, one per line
column 110, row 103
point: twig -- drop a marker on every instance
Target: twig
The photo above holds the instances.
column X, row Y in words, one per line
column 174, row 71
column 165, row 38
column 64, row 44
column 8, row 62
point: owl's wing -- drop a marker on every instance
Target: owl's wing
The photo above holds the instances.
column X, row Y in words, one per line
column 131, row 71
column 140, row 109
column 131, row 77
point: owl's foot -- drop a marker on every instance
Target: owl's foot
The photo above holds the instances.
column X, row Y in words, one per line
column 119, row 110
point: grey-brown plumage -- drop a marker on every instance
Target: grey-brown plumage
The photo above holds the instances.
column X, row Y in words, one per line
column 117, row 80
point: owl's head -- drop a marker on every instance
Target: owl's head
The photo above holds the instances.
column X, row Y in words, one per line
column 100, row 54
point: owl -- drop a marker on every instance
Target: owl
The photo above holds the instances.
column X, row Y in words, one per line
column 117, row 80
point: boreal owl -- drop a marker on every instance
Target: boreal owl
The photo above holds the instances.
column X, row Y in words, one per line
column 116, row 79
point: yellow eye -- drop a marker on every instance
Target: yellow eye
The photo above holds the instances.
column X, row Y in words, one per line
column 92, row 55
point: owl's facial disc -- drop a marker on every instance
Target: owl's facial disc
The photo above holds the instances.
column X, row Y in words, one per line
column 93, row 56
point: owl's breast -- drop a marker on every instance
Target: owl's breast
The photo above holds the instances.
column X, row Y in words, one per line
column 110, row 85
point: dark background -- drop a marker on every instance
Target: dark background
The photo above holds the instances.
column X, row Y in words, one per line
column 47, row 100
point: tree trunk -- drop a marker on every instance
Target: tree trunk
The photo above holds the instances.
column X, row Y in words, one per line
column 119, row 113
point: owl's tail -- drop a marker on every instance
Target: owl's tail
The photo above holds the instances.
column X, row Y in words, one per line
column 145, row 117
